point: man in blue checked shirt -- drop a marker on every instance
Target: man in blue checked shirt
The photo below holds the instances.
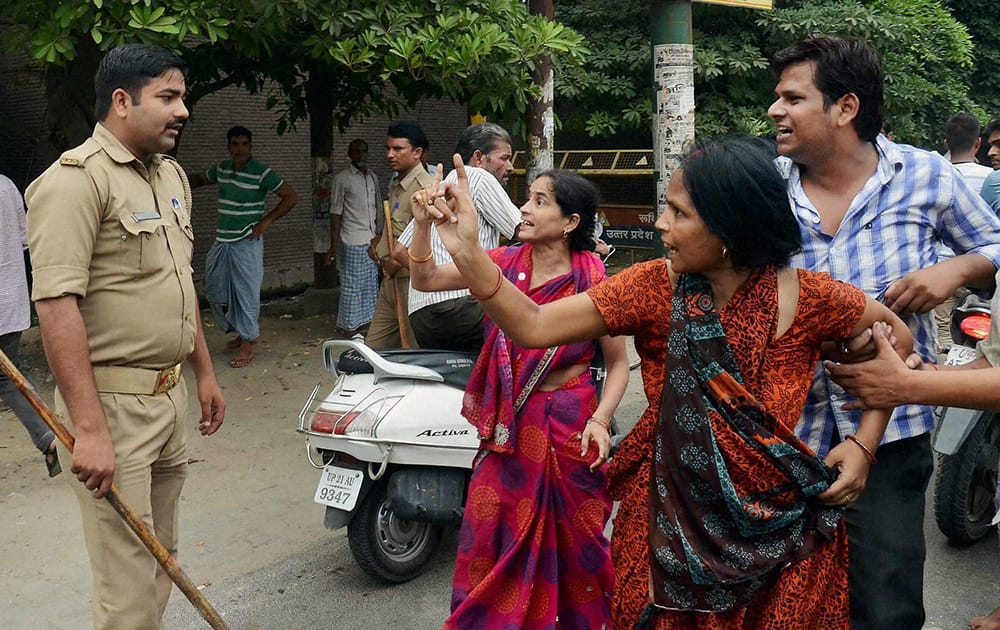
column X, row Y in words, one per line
column 872, row 214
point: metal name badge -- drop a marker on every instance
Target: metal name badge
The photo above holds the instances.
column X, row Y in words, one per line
column 145, row 216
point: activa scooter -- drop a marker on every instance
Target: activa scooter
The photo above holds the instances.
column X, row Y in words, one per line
column 967, row 441
column 394, row 450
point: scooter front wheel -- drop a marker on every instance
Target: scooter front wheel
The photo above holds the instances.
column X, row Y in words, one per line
column 387, row 547
column 966, row 483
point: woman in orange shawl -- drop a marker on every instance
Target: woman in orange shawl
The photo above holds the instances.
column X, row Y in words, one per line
column 726, row 519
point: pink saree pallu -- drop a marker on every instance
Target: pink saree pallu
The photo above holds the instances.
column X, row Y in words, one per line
column 532, row 552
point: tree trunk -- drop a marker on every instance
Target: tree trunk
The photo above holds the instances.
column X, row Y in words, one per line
column 319, row 102
column 540, row 121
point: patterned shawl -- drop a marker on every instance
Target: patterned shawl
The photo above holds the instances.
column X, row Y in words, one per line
column 503, row 369
column 731, row 501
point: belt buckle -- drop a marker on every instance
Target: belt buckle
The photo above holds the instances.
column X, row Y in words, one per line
column 166, row 379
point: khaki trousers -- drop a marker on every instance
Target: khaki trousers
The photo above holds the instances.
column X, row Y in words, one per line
column 130, row 589
column 383, row 332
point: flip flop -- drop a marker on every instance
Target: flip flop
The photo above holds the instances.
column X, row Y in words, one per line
column 52, row 461
column 239, row 362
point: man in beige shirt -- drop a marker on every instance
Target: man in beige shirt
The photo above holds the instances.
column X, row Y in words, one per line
column 404, row 146
column 109, row 231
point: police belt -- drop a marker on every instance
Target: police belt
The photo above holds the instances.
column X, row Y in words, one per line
column 114, row 379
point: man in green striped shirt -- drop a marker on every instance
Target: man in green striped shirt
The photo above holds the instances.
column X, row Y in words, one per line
column 234, row 268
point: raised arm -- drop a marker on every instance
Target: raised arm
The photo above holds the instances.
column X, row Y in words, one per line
column 530, row 325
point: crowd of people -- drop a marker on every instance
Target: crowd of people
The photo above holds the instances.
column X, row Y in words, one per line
column 762, row 487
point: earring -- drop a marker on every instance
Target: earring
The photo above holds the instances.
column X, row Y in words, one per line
column 725, row 252
column 565, row 235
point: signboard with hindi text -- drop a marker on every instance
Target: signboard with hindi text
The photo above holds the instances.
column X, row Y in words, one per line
column 748, row 4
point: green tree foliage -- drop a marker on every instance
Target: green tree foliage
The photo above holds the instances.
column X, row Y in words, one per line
column 481, row 51
column 927, row 59
column 981, row 17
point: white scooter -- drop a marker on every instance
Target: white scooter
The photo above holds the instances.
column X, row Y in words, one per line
column 394, row 450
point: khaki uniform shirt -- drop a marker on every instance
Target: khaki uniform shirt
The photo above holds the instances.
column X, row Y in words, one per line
column 401, row 211
column 104, row 228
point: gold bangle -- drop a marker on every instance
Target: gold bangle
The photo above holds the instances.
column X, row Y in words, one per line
column 868, row 452
column 483, row 298
column 422, row 259
column 606, row 425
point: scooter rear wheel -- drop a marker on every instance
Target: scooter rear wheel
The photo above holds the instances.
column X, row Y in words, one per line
column 387, row 547
column 966, row 482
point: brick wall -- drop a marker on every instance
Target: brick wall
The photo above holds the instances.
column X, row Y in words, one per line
column 288, row 252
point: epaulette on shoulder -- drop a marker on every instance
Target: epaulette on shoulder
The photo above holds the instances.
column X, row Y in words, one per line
column 168, row 157
column 78, row 155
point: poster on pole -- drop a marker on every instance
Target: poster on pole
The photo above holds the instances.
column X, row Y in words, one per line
column 748, row 4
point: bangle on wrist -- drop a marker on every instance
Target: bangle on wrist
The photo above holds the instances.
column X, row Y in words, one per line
column 868, row 452
column 483, row 298
column 421, row 259
column 606, row 425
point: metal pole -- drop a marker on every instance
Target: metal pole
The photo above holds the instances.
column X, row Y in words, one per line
column 673, row 83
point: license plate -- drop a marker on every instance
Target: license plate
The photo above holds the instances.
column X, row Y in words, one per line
column 960, row 355
column 339, row 487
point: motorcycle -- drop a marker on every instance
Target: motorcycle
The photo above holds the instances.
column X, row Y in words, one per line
column 967, row 441
column 394, row 450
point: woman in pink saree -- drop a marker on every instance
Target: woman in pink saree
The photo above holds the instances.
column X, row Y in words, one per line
column 532, row 551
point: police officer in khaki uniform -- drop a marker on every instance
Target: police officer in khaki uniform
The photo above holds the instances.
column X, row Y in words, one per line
column 404, row 145
column 109, row 230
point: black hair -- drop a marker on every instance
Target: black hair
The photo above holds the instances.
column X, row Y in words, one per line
column 743, row 200
column 844, row 65
column 411, row 131
column 131, row 67
column 238, row 130
column 482, row 137
column 961, row 132
column 575, row 195
column 357, row 141
column 992, row 128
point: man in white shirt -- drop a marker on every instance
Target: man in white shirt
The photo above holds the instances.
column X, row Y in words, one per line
column 453, row 320
column 355, row 202
column 961, row 138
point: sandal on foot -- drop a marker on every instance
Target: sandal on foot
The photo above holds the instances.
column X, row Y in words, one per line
column 52, row 461
column 239, row 362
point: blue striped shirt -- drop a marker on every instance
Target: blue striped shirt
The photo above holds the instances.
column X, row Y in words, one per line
column 914, row 201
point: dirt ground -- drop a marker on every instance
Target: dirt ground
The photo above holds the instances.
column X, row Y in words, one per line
column 44, row 573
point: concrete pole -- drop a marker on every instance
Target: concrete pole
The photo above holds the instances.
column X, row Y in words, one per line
column 673, row 83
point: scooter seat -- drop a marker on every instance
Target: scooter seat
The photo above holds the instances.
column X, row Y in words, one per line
column 454, row 367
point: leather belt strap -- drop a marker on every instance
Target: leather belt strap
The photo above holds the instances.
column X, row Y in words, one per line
column 114, row 379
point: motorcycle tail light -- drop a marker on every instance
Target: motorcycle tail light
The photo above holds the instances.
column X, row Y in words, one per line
column 976, row 326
